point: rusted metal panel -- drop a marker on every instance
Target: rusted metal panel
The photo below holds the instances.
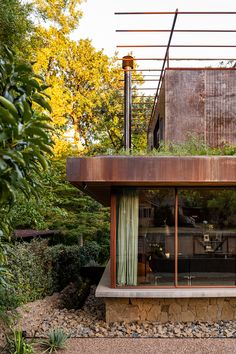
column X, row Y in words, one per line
column 199, row 102
column 220, row 107
column 96, row 175
column 184, row 105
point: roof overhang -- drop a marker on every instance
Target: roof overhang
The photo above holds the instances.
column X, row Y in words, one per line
column 97, row 175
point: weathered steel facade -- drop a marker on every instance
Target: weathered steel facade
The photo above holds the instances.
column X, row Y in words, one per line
column 97, row 175
column 199, row 102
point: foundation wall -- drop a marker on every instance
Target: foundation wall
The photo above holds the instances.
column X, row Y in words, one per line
column 175, row 310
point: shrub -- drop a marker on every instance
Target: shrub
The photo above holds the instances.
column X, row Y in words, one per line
column 38, row 270
column 66, row 262
column 31, row 278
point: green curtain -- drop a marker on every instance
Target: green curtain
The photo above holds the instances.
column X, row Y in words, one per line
column 127, row 237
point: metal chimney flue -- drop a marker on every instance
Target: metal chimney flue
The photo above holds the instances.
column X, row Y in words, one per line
column 127, row 65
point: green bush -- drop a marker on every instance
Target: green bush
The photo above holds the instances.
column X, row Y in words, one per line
column 31, row 278
column 38, row 270
column 66, row 262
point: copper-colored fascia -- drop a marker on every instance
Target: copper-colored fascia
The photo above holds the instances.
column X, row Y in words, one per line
column 96, row 175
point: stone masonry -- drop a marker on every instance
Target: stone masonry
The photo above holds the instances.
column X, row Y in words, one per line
column 175, row 310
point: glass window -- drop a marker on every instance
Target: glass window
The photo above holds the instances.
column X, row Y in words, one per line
column 156, row 237
column 206, row 237
column 145, row 237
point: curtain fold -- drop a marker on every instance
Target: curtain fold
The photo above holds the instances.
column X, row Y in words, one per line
column 127, row 237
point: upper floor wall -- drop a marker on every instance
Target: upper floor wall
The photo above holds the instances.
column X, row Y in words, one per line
column 200, row 102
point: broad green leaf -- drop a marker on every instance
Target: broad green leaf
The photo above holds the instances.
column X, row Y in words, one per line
column 41, row 101
column 33, row 130
column 10, row 191
column 27, row 113
column 6, row 116
column 42, row 125
column 9, row 105
column 14, row 155
column 23, row 68
column 42, row 160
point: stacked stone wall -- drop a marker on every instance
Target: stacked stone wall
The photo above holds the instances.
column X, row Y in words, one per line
column 175, row 310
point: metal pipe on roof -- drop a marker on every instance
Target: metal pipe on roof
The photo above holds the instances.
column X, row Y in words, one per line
column 127, row 65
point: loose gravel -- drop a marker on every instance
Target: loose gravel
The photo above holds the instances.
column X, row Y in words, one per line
column 39, row 317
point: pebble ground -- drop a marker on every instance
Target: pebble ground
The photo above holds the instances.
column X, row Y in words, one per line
column 39, row 317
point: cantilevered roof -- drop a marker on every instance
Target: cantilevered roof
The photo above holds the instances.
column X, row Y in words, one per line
column 98, row 175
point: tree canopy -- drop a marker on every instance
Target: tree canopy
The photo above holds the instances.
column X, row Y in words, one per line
column 15, row 25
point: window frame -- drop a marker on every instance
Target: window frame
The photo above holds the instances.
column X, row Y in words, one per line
column 113, row 238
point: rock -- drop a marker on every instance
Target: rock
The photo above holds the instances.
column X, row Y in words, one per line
column 38, row 317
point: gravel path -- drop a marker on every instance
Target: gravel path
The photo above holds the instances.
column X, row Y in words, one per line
column 149, row 346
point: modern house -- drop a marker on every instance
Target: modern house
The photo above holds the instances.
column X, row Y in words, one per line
column 173, row 218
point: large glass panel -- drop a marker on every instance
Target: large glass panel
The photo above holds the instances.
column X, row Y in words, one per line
column 156, row 237
column 207, row 237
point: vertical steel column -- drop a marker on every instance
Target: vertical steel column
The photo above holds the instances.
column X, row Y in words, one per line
column 127, row 65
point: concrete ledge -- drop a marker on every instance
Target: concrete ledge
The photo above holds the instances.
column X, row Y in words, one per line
column 104, row 290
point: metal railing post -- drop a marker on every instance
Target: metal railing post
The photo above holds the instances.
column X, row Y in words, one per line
column 127, row 65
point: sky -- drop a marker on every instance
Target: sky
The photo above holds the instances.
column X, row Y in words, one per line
column 99, row 23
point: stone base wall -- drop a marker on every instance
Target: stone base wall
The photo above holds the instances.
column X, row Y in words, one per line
column 175, row 310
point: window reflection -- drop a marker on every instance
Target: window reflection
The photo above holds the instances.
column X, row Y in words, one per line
column 206, row 237
column 156, row 237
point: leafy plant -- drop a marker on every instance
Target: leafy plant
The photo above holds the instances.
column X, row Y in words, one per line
column 67, row 261
column 25, row 138
column 31, row 274
column 15, row 25
column 16, row 343
column 24, row 130
column 56, row 340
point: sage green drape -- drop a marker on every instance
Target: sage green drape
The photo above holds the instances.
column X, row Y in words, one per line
column 127, row 238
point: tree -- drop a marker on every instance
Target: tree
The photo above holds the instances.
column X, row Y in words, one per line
column 24, row 138
column 15, row 25
column 86, row 86
column 24, row 128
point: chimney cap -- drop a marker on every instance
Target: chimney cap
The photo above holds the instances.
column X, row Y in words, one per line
column 127, row 61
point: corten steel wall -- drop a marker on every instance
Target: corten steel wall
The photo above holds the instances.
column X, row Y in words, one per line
column 200, row 102
column 97, row 175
